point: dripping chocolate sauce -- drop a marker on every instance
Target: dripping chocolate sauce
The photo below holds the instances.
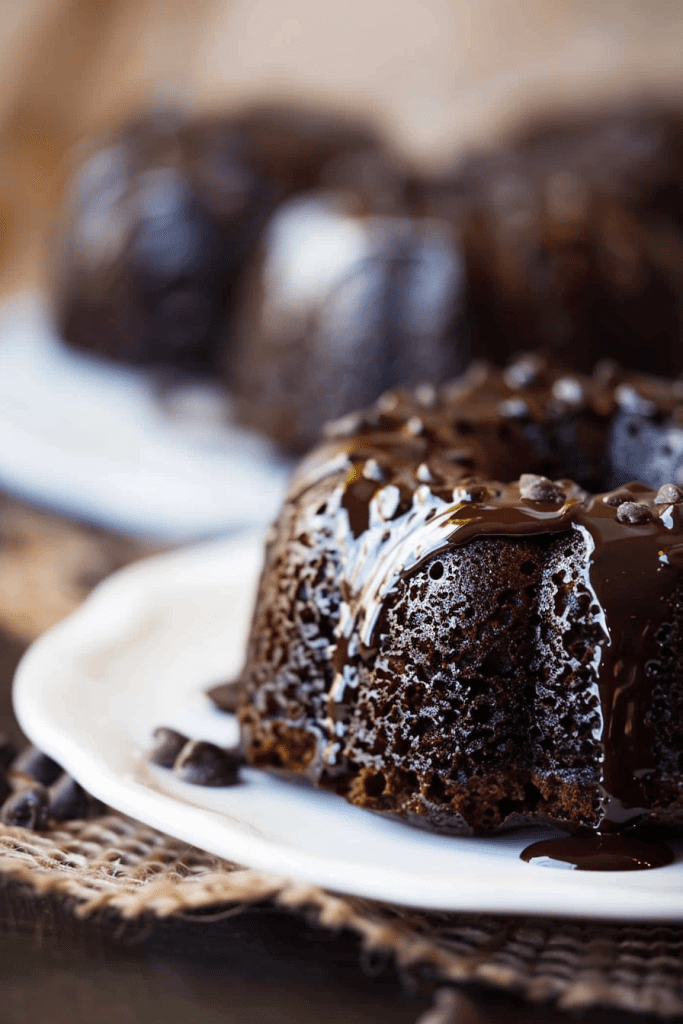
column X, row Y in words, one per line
column 633, row 569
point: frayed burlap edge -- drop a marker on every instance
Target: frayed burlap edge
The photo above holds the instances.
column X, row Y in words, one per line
column 118, row 864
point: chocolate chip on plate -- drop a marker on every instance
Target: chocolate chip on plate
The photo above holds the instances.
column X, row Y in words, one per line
column 205, row 764
column 167, row 745
column 227, row 696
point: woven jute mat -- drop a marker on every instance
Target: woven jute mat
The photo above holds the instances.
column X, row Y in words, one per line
column 113, row 863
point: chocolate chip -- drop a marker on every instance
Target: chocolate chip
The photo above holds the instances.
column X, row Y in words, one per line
column 167, row 746
column 414, row 426
column 424, row 473
column 539, row 488
column 388, row 402
column 513, row 409
column 524, row 371
column 26, row 809
column 570, row 391
column 205, row 764
column 373, row 471
column 669, row 494
column 631, row 401
column 227, row 696
column 345, row 426
column 617, row 498
column 633, row 512
column 37, row 765
column 426, row 395
column 474, row 492
column 68, row 800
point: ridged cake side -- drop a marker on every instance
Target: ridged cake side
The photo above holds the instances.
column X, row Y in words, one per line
column 469, row 654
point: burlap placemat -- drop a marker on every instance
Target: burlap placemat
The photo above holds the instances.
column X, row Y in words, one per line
column 110, row 862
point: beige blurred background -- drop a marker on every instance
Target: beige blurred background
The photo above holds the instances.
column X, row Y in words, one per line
column 440, row 74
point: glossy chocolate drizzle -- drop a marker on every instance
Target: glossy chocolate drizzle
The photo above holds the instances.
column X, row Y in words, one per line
column 598, row 853
column 633, row 570
column 417, row 482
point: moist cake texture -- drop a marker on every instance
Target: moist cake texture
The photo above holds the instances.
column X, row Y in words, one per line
column 468, row 654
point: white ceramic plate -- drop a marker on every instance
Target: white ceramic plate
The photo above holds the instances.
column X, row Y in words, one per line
column 140, row 653
column 95, row 440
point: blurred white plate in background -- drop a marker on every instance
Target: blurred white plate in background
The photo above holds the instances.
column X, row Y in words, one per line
column 140, row 653
column 94, row 441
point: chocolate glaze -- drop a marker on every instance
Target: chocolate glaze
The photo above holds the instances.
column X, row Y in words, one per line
column 631, row 575
column 598, row 853
column 415, row 476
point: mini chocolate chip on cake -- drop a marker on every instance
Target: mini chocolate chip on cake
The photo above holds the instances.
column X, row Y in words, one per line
column 469, row 654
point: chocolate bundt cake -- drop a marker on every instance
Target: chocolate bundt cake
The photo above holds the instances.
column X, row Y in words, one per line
column 468, row 654
column 158, row 223
column 342, row 306
column 163, row 217
column 572, row 239
column 293, row 255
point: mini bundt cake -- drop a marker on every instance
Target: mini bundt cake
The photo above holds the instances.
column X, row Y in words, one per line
column 162, row 218
column 572, row 239
column 343, row 305
column 467, row 654
column 159, row 221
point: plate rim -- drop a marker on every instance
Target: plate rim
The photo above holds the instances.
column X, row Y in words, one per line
column 149, row 804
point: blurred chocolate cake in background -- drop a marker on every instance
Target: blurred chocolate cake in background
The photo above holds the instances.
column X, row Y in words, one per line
column 292, row 255
column 159, row 220
column 572, row 239
column 162, row 216
column 341, row 307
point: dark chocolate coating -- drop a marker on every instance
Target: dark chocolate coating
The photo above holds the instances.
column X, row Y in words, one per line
column 469, row 654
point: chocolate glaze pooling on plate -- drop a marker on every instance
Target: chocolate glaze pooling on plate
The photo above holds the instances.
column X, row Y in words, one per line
column 598, row 853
